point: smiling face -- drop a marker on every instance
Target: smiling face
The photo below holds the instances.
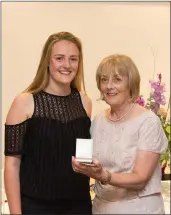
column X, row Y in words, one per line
column 114, row 88
column 118, row 79
column 64, row 62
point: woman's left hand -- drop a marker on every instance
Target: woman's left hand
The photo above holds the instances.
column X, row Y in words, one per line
column 94, row 170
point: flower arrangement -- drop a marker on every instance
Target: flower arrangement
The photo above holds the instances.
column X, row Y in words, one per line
column 154, row 102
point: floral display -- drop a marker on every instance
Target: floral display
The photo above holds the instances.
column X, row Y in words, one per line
column 156, row 102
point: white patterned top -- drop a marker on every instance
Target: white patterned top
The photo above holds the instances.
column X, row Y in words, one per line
column 116, row 145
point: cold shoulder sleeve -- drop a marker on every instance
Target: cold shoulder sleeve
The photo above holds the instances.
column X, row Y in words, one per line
column 14, row 138
column 152, row 136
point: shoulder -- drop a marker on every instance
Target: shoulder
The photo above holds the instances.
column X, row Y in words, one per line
column 151, row 117
column 23, row 98
column 87, row 103
column 20, row 108
column 21, row 101
column 151, row 134
column 145, row 116
column 150, row 124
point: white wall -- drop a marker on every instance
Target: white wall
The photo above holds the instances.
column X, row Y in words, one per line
column 104, row 28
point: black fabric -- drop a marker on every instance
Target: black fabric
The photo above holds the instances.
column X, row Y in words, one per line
column 47, row 142
column 67, row 206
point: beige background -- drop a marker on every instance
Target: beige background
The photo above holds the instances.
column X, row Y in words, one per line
column 104, row 28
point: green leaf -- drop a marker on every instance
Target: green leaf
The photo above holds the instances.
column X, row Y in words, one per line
column 168, row 129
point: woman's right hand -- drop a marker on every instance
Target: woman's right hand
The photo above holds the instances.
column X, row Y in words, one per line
column 94, row 171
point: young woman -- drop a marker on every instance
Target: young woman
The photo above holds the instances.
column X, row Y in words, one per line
column 40, row 135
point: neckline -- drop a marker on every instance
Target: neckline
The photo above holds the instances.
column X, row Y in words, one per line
column 122, row 117
column 127, row 121
column 57, row 96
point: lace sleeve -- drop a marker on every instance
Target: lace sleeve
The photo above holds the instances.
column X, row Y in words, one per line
column 14, row 138
column 152, row 137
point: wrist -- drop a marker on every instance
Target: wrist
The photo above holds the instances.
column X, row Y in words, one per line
column 106, row 177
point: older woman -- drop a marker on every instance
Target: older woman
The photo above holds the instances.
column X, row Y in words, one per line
column 128, row 140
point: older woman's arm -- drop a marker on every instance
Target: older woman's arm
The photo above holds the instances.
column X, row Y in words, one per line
column 152, row 142
column 144, row 167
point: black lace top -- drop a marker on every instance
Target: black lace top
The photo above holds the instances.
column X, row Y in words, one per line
column 46, row 142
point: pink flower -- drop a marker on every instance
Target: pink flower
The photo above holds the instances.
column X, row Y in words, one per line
column 159, row 77
column 159, row 98
column 156, row 97
column 141, row 101
column 157, row 86
column 156, row 107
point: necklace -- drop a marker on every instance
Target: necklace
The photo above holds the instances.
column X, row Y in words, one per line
column 118, row 119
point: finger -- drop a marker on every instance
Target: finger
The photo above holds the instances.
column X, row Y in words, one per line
column 76, row 170
column 80, row 165
column 73, row 160
column 76, row 163
column 91, row 164
column 96, row 162
column 97, row 168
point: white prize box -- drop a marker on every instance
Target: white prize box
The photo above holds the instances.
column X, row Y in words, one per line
column 84, row 150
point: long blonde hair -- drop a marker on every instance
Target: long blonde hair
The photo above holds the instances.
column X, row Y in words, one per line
column 40, row 81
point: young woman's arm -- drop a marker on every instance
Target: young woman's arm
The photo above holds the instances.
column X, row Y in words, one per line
column 12, row 183
column 18, row 113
